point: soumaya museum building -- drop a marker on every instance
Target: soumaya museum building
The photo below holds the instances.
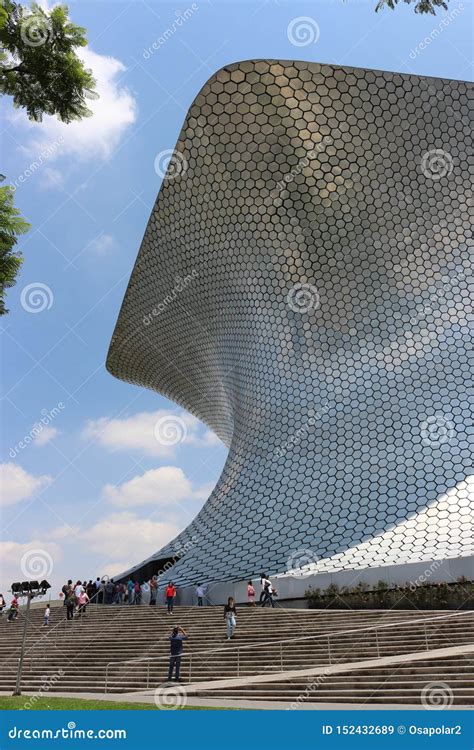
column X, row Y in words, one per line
column 303, row 288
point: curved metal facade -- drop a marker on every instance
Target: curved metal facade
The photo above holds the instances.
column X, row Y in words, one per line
column 303, row 288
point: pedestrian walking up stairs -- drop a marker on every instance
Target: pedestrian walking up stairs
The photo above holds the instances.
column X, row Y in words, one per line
column 118, row 649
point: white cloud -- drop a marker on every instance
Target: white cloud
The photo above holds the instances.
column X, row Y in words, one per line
column 51, row 178
column 65, row 532
column 92, row 137
column 102, row 244
column 34, row 560
column 161, row 487
column 127, row 535
column 152, row 433
column 45, row 435
column 17, row 485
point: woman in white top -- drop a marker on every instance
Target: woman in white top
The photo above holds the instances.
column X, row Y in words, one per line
column 267, row 592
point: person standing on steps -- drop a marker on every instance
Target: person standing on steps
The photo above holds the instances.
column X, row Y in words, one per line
column 153, row 583
column 178, row 635
column 109, row 591
column 70, row 605
column 13, row 613
column 137, row 593
column 78, row 589
column 170, row 595
column 47, row 613
column 263, row 578
column 268, row 590
column 90, row 590
column 98, row 597
column 230, row 617
column 65, row 590
column 130, row 589
column 251, row 594
column 82, row 602
column 200, row 594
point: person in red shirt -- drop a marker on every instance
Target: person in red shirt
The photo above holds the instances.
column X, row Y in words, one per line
column 13, row 613
column 170, row 595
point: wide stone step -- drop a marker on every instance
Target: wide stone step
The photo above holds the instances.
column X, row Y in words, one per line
column 83, row 648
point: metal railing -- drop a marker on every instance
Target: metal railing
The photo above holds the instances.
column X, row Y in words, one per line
column 279, row 645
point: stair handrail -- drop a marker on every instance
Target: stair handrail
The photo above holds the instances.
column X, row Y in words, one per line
column 259, row 644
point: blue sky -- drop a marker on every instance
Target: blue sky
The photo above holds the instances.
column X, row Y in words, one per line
column 92, row 490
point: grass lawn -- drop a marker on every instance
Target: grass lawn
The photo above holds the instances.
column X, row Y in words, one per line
column 77, row 704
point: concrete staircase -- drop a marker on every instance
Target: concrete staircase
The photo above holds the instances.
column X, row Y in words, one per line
column 73, row 656
column 431, row 681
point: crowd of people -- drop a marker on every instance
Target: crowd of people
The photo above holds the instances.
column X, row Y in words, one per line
column 77, row 596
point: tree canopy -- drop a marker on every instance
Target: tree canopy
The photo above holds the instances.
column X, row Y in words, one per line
column 39, row 68
column 11, row 226
column 421, row 6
